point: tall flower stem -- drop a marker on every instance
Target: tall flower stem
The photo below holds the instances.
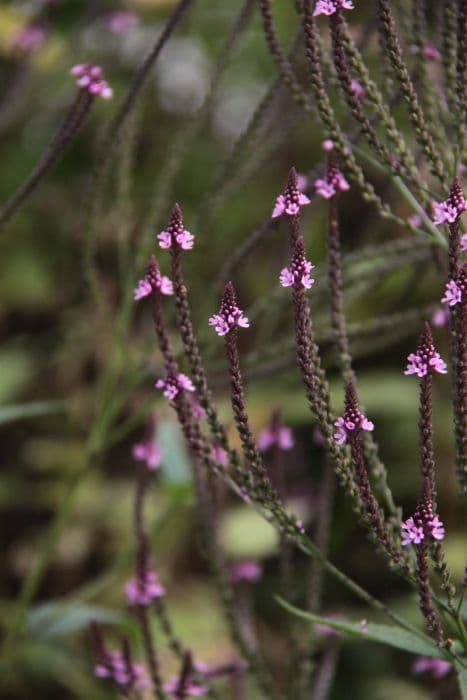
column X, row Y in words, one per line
column 426, row 599
column 69, row 128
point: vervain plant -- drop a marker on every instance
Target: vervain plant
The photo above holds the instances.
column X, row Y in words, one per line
column 419, row 157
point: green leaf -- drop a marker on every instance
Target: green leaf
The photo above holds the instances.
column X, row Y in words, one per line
column 462, row 676
column 52, row 620
column 384, row 634
column 14, row 412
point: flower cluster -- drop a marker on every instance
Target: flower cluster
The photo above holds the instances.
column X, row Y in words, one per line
column 437, row 668
column 153, row 281
column 175, row 235
column 91, row 78
column 149, row 452
column 172, row 385
column 351, row 424
column 448, row 211
column 456, row 290
column 424, row 523
column 332, row 182
column 143, row 588
column 229, row 316
column 276, row 434
column 329, row 7
column 28, row 39
column 298, row 274
column 426, row 360
column 291, row 200
column 113, row 665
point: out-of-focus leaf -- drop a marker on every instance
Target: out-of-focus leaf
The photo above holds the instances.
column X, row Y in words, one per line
column 385, row 634
column 16, row 368
column 244, row 533
column 51, row 620
column 15, row 412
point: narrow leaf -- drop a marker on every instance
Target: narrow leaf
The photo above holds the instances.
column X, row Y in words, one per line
column 385, row 634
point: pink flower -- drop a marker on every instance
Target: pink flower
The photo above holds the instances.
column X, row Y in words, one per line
column 440, row 317
column 437, row 668
column 424, row 523
column 448, row 211
column 91, row 78
column 276, row 434
column 153, row 282
column 114, row 666
column 426, row 360
column 328, row 145
column 456, row 290
column 220, row 455
column 175, row 235
column 180, row 689
column 333, row 182
column 247, row 570
column 121, row 21
column 431, row 53
column 28, row 39
column 298, row 274
column 229, row 316
column 415, row 220
column 173, row 385
column 149, row 452
column 143, row 589
column 291, row 200
column 358, row 89
column 329, row 7
column 353, row 421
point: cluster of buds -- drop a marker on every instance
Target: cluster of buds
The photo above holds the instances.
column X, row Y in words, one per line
column 175, row 235
column 230, row 316
column 329, row 7
column 291, row 200
column 153, row 281
column 448, row 211
column 91, row 78
column 148, row 452
column 143, row 588
column 298, row 274
column 426, row 360
column 456, row 290
column 351, row 424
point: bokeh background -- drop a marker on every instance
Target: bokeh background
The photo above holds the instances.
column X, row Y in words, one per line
column 78, row 360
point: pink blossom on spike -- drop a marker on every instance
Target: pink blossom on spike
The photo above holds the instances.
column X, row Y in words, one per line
column 329, row 7
column 415, row 220
column 431, row 53
column 114, row 666
column 426, row 360
column 220, row 455
column 189, row 689
column 328, row 145
column 440, row 318
column 229, row 316
column 247, row 570
column 173, row 385
column 175, row 235
column 280, row 435
column 357, row 88
column 91, row 78
column 291, row 200
column 298, row 274
column 456, row 290
column 142, row 590
column 424, row 524
column 153, row 282
column 332, row 182
column 448, row 211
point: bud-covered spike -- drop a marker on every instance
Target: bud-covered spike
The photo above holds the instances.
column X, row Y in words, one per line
column 230, row 316
column 298, row 274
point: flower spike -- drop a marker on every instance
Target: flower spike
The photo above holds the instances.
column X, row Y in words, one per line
column 329, row 7
column 229, row 316
column 153, row 282
column 456, row 290
column 449, row 211
column 424, row 524
column 175, row 235
column 426, row 360
column 291, row 200
column 172, row 385
column 298, row 274
column 332, row 182
column 351, row 424
column 91, row 79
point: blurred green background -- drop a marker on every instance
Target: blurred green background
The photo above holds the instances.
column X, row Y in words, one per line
column 78, row 361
